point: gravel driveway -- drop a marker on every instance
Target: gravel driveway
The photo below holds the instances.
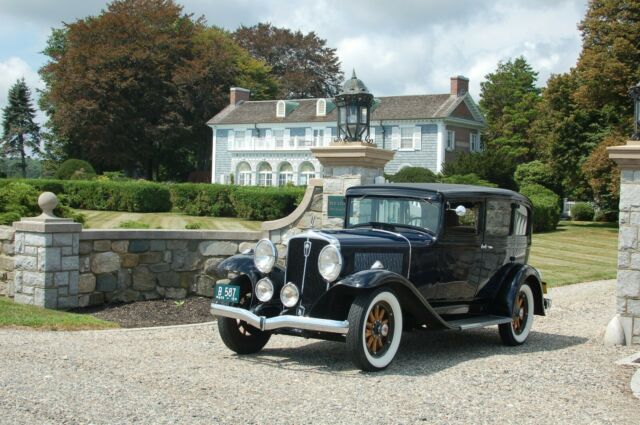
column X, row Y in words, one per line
column 186, row 375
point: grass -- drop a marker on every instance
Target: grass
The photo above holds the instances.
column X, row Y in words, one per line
column 115, row 219
column 576, row 252
column 20, row 315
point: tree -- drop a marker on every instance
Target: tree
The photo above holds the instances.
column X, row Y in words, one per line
column 132, row 88
column 508, row 99
column 20, row 132
column 603, row 174
column 495, row 167
column 304, row 66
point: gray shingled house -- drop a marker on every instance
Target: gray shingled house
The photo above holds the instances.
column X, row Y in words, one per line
column 268, row 142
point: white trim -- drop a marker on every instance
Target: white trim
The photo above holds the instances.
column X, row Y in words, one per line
column 321, row 108
column 395, row 138
column 281, row 109
column 407, row 127
column 453, row 141
column 417, row 138
column 440, row 146
column 213, row 156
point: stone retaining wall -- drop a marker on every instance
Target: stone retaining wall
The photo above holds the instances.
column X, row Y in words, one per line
column 125, row 265
column 6, row 261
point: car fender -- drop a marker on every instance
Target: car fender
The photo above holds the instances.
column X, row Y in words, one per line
column 243, row 264
column 409, row 297
column 512, row 280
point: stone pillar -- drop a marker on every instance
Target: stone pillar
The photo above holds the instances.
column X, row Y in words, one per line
column 625, row 327
column 46, row 258
column 347, row 164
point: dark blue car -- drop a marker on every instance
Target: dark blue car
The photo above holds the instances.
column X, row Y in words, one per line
column 435, row 256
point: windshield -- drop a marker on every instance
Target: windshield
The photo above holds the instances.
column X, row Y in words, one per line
column 394, row 211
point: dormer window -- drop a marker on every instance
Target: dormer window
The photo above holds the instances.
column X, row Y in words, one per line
column 321, row 107
column 281, row 109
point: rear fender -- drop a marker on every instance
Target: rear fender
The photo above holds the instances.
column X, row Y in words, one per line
column 515, row 277
column 337, row 300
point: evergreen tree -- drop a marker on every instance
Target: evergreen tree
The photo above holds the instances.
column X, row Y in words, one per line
column 509, row 99
column 21, row 135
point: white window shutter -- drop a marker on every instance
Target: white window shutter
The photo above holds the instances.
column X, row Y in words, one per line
column 395, row 138
column 372, row 134
column 327, row 136
column 287, row 137
column 267, row 135
column 248, row 135
column 417, row 138
column 308, row 134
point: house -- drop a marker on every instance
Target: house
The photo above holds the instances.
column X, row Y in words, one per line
column 268, row 142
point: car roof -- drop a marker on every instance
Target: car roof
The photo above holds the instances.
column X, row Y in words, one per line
column 445, row 189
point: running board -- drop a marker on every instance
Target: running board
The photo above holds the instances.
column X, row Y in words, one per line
column 478, row 322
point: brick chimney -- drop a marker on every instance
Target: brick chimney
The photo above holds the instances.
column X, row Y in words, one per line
column 238, row 94
column 459, row 85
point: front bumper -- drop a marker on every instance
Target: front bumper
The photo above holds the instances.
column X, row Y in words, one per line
column 278, row 322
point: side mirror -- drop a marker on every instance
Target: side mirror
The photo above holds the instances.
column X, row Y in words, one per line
column 460, row 210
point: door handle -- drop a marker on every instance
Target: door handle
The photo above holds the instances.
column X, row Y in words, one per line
column 485, row 246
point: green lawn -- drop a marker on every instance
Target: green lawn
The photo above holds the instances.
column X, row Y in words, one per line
column 576, row 252
column 112, row 220
column 19, row 315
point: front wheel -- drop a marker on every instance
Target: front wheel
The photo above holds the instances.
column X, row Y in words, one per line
column 517, row 331
column 375, row 329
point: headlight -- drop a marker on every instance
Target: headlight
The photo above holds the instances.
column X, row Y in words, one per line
column 265, row 255
column 264, row 290
column 330, row 263
column 289, row 295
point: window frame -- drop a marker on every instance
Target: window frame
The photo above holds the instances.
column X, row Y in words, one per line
column 411, row 146
column 451, row 141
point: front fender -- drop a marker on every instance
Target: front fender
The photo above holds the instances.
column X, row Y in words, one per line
column 243, row 264
column 503, row 303
column 410, row 298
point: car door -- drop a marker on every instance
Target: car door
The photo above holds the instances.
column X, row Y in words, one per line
column 459, row 252
column 497, row 245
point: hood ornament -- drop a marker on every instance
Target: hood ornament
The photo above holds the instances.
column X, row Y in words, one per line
column 307, row 248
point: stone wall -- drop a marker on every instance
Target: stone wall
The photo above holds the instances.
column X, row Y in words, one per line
column 6, row 261
column 125, row 265
column 628, row 290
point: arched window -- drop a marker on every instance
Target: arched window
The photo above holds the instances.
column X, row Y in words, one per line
column 285, row 175
column 281, row 109
column 244, row 174
column 321, row 107
column 307, row 172
column 265, row 175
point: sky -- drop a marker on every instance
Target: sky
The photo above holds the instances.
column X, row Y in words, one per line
column 396, row 47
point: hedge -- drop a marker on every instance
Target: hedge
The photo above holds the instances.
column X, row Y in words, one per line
column 265, row 203
column 134, row 196
column 202, row 199
column 546, row 207
column 18, row 199
column 582, row 211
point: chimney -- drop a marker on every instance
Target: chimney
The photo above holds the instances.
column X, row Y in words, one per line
column 238, row 94
column 459, row 85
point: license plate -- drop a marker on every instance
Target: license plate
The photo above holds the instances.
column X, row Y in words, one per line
column 228, row 294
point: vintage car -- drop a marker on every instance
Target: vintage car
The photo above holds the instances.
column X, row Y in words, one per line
column 410, row 256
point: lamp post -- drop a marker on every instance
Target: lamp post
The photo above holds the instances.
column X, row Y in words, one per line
column 354, row 110
column 634, row 92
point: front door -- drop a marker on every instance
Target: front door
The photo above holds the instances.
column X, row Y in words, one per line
column 460, row 253
column 497, row 245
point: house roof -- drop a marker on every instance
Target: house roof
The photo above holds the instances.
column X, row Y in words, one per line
column 388, row 108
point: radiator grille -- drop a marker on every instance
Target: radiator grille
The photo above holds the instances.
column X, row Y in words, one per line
column 313, row 285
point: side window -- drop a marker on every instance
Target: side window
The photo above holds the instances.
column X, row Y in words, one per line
column 468, row 224
column 498, row 217
column 519, row 221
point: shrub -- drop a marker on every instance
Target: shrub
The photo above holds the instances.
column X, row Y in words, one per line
column 536, row 172
column 192, row 226
column 413, row 175
column 489, row 165
column 546, row 207
column 202, row 199
column 118, row 196
column 265, row 203
column 608, row 216
column 466, row 179
column 582, row 211
column 133, row 224
column 75, row 169
column 19, row 199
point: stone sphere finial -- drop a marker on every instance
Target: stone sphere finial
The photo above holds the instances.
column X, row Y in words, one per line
column 48, row 201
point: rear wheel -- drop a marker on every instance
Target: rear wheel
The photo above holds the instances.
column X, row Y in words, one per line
column 517, row 331
column 236, row 334
column 375, row 329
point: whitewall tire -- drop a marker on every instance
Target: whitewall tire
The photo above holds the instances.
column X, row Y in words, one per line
column 517, row 331
column 375, row 329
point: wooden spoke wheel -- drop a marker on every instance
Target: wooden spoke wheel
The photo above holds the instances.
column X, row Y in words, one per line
column 375, row 329
column 517, row 332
